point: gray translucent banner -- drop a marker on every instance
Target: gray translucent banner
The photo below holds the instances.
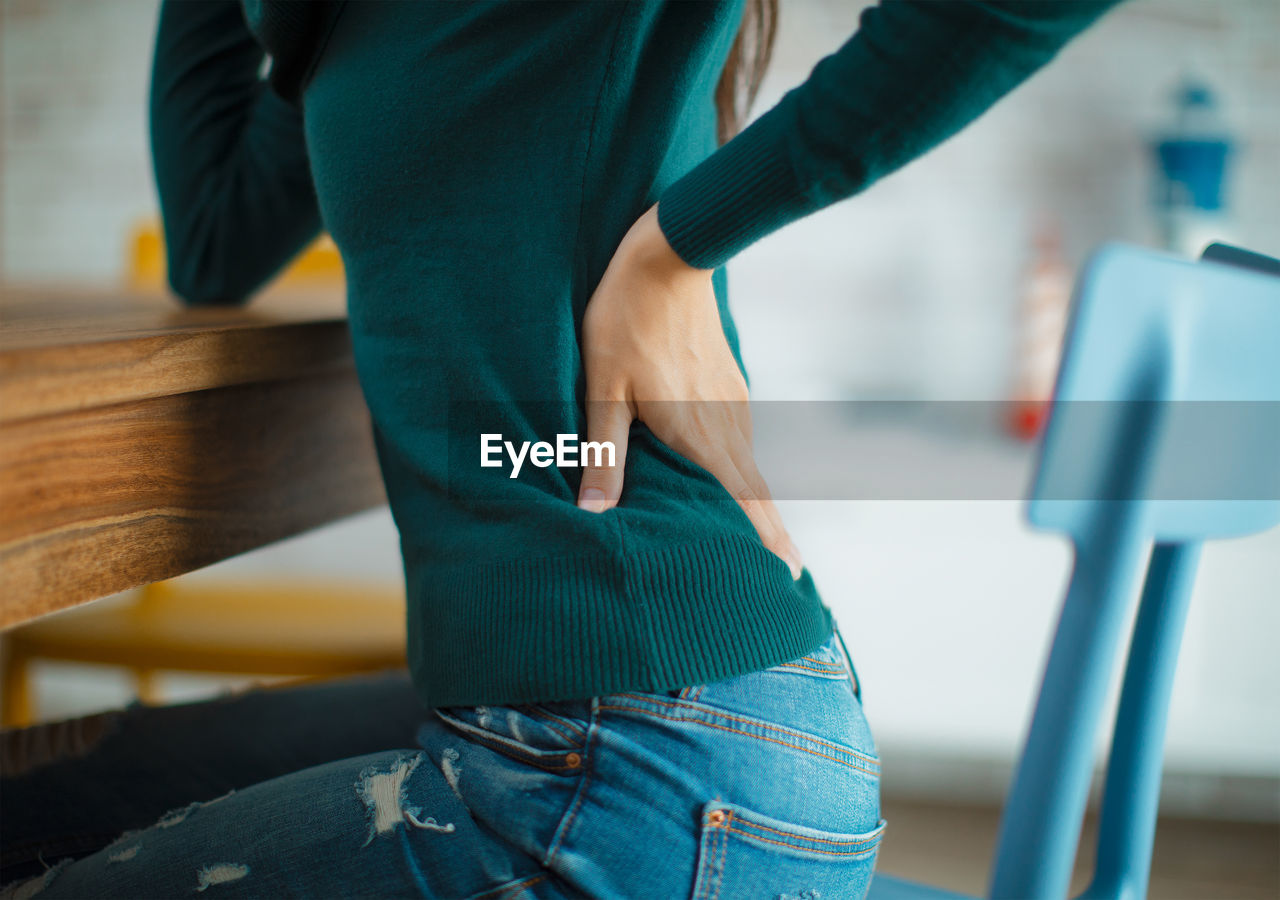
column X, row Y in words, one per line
column 960, row 450
column 946, row 450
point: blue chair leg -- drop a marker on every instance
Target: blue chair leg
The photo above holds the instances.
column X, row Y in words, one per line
column 1040, row 825
column 1127, row 830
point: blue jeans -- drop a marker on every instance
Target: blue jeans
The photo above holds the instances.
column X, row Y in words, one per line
column 764, row 785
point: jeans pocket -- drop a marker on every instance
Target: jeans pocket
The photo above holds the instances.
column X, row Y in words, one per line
column 744, row 853
column 551, row 736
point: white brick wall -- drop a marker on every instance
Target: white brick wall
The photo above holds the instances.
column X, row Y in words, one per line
column 74, row 168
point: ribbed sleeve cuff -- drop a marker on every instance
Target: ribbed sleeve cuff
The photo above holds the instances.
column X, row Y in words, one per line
column 734, row 197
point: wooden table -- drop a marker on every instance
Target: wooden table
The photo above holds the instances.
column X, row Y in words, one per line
column 140, row 440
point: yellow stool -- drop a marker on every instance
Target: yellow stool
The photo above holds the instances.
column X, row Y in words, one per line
column 312, row 630
column 319, row 264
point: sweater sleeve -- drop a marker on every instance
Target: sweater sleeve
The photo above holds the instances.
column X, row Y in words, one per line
column 913, row 74
column 229, row 156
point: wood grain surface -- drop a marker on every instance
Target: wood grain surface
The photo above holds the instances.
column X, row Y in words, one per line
column 140, row 440
column 61, row 351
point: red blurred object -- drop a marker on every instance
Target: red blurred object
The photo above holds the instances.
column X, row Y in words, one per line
column 1041, row 323
column 1026, row 418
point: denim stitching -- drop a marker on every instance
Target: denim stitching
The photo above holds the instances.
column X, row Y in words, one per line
column 505, row 745
column 724, row 851
column 564, row 826
column 563, row 720
column 566, row 721
column 649, row 712
column 790, row 665
column 800, row 837
column 847, row 853
column 705, row 855
column 531, row 883
column 754, row 722
column 716, row 843
column 551, row 726
column 511, row 889
column 520, row 888
column 816, row 661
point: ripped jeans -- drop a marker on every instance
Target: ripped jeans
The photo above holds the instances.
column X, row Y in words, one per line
column 763, row 785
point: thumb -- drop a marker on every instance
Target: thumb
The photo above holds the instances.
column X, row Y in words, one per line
column 608, row 422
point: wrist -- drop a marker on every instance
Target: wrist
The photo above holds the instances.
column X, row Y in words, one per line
column 646, row 246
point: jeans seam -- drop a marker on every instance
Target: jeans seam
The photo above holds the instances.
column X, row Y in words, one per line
column 566, row 721
column 836, row 672
column 511, row 888
column 554, row 726
column 507, row 746
column 755, row 723
column 849, row 854
column 760, row 737
column 716, row 845
column 724, row 852
column 848, row 661
column 815, row 661
column 575, row 806
column 800, row 840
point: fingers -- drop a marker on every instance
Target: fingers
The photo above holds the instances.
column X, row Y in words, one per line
column 720, row 445
column 741, row 412
column 711, row 435
column 740, row 477
column 608, row 422
column 745, row 463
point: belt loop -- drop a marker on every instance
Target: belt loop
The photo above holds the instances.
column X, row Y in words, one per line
column 848, row 660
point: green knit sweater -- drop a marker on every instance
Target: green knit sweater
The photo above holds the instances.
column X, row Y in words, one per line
column 477, row 164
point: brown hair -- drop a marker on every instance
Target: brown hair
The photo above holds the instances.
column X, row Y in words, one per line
column 744, row 69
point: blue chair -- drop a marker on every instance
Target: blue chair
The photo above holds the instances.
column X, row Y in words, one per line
column 1164, row 431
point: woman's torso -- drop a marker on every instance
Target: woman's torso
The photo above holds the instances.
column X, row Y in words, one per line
column 477, row 164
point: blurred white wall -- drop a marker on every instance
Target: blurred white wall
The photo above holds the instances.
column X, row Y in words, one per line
column 74, row 167
column 908, row 290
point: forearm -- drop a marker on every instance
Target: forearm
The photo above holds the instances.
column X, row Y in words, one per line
column 229, row 156
column 914, row 73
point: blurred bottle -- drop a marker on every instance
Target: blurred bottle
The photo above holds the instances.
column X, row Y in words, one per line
column 1042, row 321
column 1192, row 155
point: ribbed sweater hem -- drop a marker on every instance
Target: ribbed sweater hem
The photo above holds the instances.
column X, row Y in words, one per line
column 561, row 628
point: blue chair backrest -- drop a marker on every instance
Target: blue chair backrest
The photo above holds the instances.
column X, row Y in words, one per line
column 1164, row 431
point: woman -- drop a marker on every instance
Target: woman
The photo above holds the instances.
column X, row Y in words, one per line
column 623, row 682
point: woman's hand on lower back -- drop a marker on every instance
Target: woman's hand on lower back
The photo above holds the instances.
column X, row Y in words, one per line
column 654, row 350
